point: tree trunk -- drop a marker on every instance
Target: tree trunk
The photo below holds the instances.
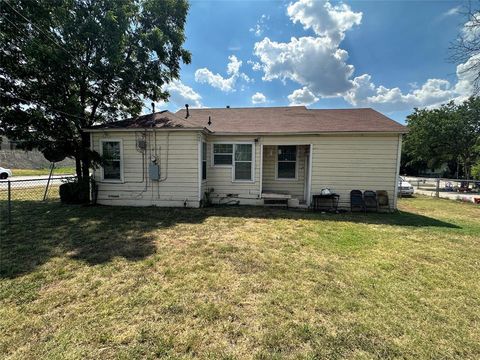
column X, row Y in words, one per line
column 78, row 167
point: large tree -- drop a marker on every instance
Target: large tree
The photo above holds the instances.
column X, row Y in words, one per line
column 446, row 134
column 68, row 64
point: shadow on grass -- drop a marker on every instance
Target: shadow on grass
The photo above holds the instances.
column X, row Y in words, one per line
column 97, row 234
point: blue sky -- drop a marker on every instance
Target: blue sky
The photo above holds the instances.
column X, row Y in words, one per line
column 389, row 55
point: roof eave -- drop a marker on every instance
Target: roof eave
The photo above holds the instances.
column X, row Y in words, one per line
column 309, row 132
column 89, row 130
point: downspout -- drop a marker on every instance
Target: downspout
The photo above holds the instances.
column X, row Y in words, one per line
column 310, row 168
column 200, row 166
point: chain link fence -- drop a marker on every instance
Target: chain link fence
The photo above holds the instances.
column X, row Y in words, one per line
column 457, row 189
column 28, row 191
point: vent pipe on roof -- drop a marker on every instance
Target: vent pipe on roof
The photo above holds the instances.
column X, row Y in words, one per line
column 209, row 121
column 153, row 108
column 188, row 114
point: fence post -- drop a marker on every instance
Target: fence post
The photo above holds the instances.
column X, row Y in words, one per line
column 48, row 181
column 437, row 190
column 9, row 201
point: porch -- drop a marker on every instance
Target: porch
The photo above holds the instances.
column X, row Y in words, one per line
column 285, row 175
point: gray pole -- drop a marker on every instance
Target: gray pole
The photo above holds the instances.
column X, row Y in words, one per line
column 9, row 202
column 48, row 181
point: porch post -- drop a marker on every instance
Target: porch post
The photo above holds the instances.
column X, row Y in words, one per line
column 261, row 170
column 310, row 167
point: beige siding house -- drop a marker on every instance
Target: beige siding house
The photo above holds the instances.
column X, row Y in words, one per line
column 246, row 156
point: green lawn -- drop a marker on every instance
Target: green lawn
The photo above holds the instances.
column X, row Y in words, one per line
column 38, row 172
column 123, row 283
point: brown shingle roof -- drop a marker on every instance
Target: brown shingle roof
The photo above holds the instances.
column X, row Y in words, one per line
column 291, row 119
column 159, row 120
column 288, row 119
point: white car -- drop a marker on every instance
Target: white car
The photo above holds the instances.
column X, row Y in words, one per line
column 404, row 187
column 5, row 173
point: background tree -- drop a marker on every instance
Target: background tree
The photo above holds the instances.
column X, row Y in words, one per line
column 68, row 64
column 448, row 134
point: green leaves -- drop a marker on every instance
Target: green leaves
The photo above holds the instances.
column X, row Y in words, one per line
column 80, row 62
column 446, row 134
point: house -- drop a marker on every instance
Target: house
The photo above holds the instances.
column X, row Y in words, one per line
column 246, row 156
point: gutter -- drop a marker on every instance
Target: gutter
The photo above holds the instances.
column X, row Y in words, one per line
column 309, row 133
column 205, row 130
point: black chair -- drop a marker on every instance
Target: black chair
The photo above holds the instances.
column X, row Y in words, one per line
column 382, row 200
column 356, row 201
column 370, row 200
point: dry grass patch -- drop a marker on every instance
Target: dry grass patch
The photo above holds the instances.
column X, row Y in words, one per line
column 101, row 282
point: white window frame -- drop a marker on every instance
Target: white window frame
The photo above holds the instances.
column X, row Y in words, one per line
column 252, row 178
column 296, row 164
column 121, row 180
column 213, row 154
column 233, row 143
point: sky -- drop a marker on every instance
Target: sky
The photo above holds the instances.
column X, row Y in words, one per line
column 388, row 55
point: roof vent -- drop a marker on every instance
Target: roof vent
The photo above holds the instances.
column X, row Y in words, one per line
column 153, row 108
column 228, row 106
column 188, row 114
column 209, row 121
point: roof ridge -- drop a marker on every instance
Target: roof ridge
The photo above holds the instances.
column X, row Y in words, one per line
column 245, row 108
column 182, row 119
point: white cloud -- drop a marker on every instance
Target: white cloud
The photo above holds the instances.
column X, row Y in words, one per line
column 256, row 66
column 453, row 11
column 260, row 26
column 430, row 94
column 315, row 62
column 181, row 94
column 471, row 29
column 324, row 18
column 320, row 66
column 259, row 98
column 226, row 84
column 302, row 97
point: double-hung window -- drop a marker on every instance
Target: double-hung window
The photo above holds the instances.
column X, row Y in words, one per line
column 243, row 162
column 204, row 161
column 237, row 156
column 287, row 162
column 112, row 160
column 222, row 154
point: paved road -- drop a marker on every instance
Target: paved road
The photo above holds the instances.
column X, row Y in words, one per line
column 449, row 195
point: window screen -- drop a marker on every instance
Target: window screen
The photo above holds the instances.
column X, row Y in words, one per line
column 112, row 160
column 287, row 162
column 243, row 162
column 222, row 154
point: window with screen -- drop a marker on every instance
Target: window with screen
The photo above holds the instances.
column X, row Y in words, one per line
column 222, row 154
column 243, row 162
column 112, row 166
column 287, row 162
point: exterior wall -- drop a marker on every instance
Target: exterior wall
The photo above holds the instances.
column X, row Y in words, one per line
column 178, row 156
column 346, row 162
column 220, row 179
column 339, row 162
column 293, row 187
